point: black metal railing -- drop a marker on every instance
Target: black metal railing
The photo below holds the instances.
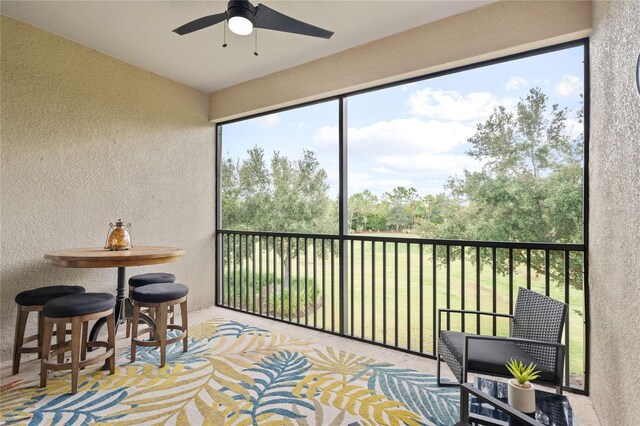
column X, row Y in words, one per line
column 390, row 289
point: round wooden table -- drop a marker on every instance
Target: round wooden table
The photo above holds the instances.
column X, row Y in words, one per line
column 95, row 257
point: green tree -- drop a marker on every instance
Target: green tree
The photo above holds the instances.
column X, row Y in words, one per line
column 530, row 186
column 288, row 196
column 403, row 207
column 362, row 208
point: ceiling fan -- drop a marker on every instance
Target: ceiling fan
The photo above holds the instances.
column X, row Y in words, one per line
column 242, row 17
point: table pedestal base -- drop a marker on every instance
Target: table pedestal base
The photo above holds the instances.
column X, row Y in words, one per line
column 122, row 312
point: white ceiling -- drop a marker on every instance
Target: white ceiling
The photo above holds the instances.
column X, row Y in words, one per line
column 140, row 33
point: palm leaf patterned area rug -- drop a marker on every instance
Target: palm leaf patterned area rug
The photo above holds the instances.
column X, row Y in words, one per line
column 234, row 374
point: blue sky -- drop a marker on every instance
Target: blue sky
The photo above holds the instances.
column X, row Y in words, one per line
column 413, row 134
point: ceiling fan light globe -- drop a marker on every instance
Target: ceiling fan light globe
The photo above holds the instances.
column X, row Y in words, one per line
column 240, row 25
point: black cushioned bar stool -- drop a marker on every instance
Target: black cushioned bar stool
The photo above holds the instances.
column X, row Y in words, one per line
column 160, row 297
column 32, row 301
column 77, row 309
column 141, row 280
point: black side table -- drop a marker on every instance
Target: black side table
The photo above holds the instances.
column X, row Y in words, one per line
column 551, row 409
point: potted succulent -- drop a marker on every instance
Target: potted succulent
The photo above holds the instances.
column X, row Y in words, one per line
column 521, row 393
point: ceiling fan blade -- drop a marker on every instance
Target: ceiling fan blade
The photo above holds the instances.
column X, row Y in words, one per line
column 270, row 19
column 201, row 23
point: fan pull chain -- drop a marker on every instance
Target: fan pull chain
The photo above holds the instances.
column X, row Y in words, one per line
column 224, row 37
column 255, row 51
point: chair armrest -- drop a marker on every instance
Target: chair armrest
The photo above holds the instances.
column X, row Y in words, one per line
column 466, row 389
column 464, row 311
column 512, row 339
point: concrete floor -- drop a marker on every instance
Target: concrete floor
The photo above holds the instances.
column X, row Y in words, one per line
column 581, row 404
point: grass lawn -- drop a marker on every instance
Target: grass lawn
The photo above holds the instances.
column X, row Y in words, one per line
column 368, row 295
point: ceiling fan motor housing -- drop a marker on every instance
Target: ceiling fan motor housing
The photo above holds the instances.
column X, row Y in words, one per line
column 242, row 9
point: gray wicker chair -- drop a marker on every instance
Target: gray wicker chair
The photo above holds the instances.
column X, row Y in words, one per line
column 535, row 335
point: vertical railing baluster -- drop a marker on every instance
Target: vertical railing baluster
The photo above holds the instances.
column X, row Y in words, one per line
column 315, row 285
column 289, row 273
column 253, row 271
column 494, row 276
column 421, row 290
column 266, row 267
column 478, row 288
column 240, row 275
column 282, row 277
column 324, row 287
column 225, row 293
column 373, row 291
column 547, row 274
column 228, row 269
column 384, row 292
column 362, row 288
column 409, row 296
column 395, row 286
column 298, row 280
column 333, row 294
column 260, row 272
column 510, row 281
column 266, row 260
column 351, row 294
column 434, row 311
column 246, row 271
column 235, row 246
column 448, row 284
column 529, row 269
column 462, row 286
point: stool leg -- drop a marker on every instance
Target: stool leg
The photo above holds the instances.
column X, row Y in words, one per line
column 21, row 323
column 185, row 326
column 129, row 320
column 134, row 330
column 172, row 318
column 161, row 327
column 46, row 346
column 40, row 331
column 83, row 349
column 111, row 331
column 61, row 337
column 76, row 330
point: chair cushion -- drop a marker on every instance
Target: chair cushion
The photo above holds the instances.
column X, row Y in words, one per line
column 78, row 304
column 151, row 278
column 490, row 356
column 42, row 295
column 157, row 293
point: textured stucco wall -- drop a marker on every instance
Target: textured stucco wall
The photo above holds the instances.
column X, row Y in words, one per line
column 614, row 228
column 485, row 33
column 85, row 140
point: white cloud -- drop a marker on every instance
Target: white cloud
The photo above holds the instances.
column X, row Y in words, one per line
column 450, row 105
column 382, row 170
column 570, row 85
column 429, row 164
column 268, row 120
column 574, row 127
column 408, row 135
column 515, row 83
column 299, row 125
column 327, row 135
column 358, row 182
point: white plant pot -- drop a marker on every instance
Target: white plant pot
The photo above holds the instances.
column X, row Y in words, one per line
column 522, row 398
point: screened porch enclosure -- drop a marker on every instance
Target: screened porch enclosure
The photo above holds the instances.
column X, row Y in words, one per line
column 444, row 191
